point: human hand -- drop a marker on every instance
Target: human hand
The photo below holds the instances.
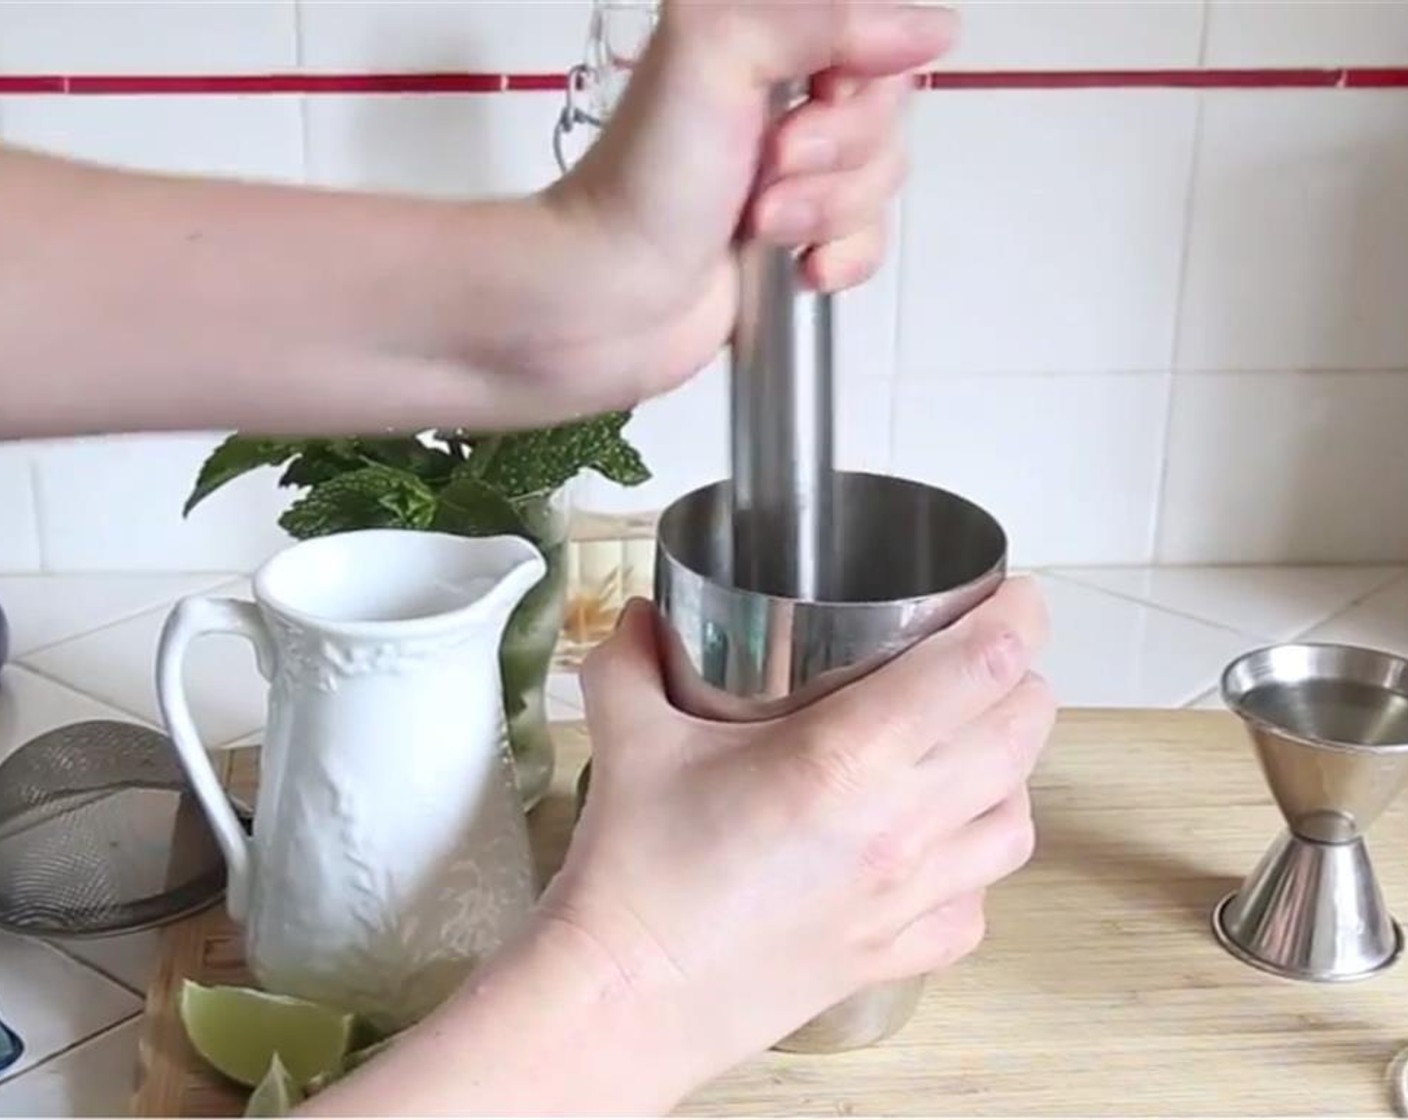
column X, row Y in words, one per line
column 690, row 163
column 742, row 878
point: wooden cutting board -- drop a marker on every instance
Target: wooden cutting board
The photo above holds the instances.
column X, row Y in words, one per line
column 1099, row 991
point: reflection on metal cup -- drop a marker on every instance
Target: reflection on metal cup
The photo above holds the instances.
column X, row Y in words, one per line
column 909, row 560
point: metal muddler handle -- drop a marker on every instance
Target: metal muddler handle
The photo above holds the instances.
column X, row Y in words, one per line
column 783, row 470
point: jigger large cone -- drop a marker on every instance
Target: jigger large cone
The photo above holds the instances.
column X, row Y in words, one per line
column 1330, row 728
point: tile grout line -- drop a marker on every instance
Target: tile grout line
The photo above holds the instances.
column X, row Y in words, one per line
column 122, row 709
column 304, row 131
column 1399, row 572
column 1399, row 575
column 203, row 589
column 1056, row 573
column 68, row 954
column 71, row 1047
column 1180, row 300
column 1204, row 32
column 1198, row 698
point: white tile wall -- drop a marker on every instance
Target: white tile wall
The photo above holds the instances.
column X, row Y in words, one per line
column 1305, row 468
column 441, row 145
column 1306, row 33
column 1108, row 652
column 866, row 321
column 115, row 505
column 1378, row 622
column 43, row 611
column 1080, row 35
column 20, row 550
column 227, row 696
column 1069, row 465
column 476, row 35
column 1044, row 231
column 171, row 37
column 1276, row 604
column 1298, row 238
column 256, row 136
column 1081, row 243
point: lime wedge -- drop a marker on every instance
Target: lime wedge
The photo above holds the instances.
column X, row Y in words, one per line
column 276, row 1095
column 354, row 1059
column 240, row 1031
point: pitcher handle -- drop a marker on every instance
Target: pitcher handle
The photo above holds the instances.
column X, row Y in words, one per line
column 190, row 619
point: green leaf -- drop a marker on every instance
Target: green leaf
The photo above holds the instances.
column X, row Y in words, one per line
column 470, row 508
column 322, row 460
column 235, row 456
column 429, row 463
column 540, row 461
column 620, row 462
column 372, row 497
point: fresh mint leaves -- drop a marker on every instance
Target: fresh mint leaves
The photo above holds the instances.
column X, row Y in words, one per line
column 371, row 497
column 472, row 484
column 234, row 457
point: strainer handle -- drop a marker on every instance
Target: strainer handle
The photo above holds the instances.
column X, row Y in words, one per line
column 190, row 619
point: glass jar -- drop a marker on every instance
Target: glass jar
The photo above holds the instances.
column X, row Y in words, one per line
column 530, row 643
column 616, row 39
column 619, row 32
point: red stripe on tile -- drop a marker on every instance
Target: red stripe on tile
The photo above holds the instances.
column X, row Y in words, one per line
column 448, row 82
column 1368, row 78
column 405, row 83
column 158, row 84
column 1144, row 79
column 21, row 83
column 537, row 81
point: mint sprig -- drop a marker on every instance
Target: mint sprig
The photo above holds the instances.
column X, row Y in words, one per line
column 473, row 484
column 371, row 497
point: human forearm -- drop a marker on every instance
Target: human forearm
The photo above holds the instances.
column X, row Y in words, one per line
column 551, row 1028
column 135, row 302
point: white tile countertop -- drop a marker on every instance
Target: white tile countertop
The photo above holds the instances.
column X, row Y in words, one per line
column 83, row 648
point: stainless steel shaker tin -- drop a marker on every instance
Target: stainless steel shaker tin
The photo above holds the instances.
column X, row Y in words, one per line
column 909, row 559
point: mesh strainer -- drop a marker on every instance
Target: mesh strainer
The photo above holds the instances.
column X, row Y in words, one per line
column 101, row 833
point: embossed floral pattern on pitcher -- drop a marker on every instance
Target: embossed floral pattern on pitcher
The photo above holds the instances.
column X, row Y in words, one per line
column 390, row 852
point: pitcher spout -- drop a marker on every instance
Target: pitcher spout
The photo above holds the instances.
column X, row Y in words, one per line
column 516, row 567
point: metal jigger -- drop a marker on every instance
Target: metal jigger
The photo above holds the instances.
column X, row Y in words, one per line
column 1330, row 727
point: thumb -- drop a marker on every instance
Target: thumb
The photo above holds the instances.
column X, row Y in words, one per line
column 622, row 682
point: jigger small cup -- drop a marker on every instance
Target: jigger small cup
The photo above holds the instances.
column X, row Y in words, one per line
column 1330, row 727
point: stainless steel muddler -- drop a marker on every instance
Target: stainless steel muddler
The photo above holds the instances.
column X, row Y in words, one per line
column 781, row 434
column 793, row 578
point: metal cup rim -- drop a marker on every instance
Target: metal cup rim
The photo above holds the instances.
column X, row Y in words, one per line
column 1233, row 697
column 998, row 566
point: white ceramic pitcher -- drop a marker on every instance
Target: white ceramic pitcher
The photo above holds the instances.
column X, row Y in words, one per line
column 389, row 852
